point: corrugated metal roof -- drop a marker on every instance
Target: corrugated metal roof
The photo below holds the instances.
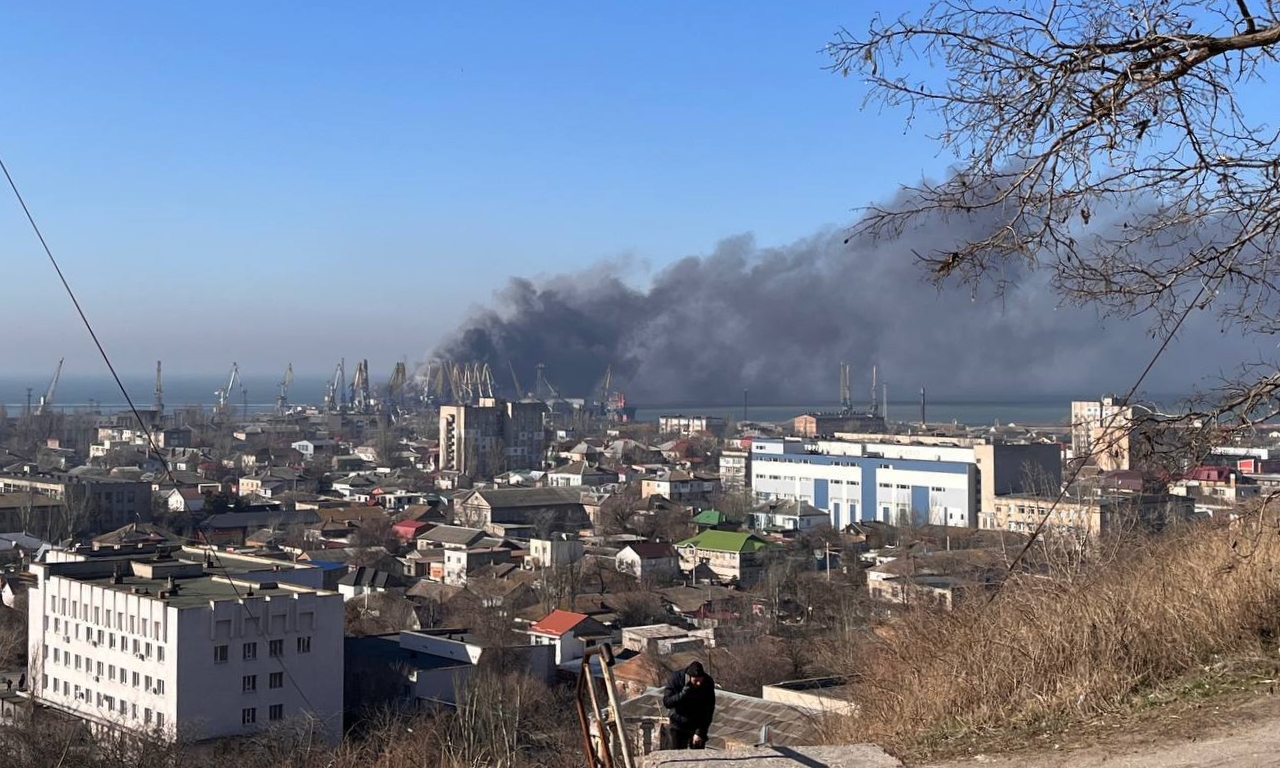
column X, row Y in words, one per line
column 726, row 541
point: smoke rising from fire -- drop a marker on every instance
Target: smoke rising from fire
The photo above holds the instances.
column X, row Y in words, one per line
column 779, row 320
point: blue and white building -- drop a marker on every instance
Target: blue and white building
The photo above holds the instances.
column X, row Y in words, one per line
column 894, row 482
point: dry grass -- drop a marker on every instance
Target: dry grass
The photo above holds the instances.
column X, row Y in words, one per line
column 1148, row 622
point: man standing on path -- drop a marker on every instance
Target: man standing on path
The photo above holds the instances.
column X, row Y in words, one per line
column 690, row 696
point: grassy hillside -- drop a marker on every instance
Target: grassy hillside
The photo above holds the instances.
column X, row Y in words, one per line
column 1110, row 635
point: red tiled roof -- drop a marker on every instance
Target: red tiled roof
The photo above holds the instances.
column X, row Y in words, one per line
column 558, row 622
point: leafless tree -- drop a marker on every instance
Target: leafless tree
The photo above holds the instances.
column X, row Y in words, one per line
column 1108, row 143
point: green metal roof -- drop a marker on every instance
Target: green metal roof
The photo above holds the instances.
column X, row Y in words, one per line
column 726, row 541
column 710, row 517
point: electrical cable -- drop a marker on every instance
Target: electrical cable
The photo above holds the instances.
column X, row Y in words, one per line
column 146, row 429
column 1094, row 450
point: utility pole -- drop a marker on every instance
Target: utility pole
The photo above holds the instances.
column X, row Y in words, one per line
column 923, row 401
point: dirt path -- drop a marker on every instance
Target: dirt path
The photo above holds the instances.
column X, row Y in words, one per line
column 1246, row 737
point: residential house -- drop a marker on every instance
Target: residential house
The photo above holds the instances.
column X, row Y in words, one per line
column 312, row 449
column 550, row 509
column 666, row 639
column 649, row 561
column 787, row 517
column 185, row 499
column 554, row 552
column 579, row 473
column 938, row 578
column 682, row 486
column 731, row 557
column 569, row 633
column 709, row 519
column 361, row 580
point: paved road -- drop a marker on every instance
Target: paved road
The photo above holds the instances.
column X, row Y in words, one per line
column 1251, row 744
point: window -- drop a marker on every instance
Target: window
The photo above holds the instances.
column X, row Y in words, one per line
column 159, row 686
column 159, row 653
column 276, row 680
column 276, row 712
column 159, row 719
column 250, row 651
column 248, row 716
column 276, row 648
column 304, row 644
column 249, row 683
column 147, row 680
column 135, row 679
column 219, row 654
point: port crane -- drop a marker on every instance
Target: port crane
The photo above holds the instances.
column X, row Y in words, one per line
column 360, row 399
column 282, row 400
column 223, row 403
column 335, row 398
column 46, row 400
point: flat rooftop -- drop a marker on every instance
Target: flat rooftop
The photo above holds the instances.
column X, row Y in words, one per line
column 194, row 592
column 189, row 577
column 386, row 649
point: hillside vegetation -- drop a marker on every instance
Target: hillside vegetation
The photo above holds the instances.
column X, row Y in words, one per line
column 1095, row 639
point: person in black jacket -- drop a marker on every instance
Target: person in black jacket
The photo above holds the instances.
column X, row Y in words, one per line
column 691, row 698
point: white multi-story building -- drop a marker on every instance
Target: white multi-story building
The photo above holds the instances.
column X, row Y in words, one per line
column 185, row 642
column 899, row 482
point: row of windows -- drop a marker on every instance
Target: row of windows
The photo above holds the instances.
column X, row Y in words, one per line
column 107, row 641
column 100, row 700
column 249, row 651
column 111, row 620
column 249, row 715
column 96, row 668
column 249, row 683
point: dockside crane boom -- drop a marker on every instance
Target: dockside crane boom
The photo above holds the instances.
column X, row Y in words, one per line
column 282, row 400
column 224, row 394
column 515, row 379
column 158, row 405
column 46, row 400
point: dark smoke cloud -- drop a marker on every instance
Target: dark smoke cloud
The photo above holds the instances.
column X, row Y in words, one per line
column 778, row 321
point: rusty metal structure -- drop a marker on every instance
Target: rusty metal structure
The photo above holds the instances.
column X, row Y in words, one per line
column 604, row 734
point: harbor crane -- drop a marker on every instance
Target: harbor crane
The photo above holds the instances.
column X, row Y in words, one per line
column 46, row 400
column 282, row 400
column 360, row 397
column 395, row 387
column 336, row 396
column 224, row 394
column 158, row 405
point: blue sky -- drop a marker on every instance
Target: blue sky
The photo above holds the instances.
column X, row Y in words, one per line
column 301, row 181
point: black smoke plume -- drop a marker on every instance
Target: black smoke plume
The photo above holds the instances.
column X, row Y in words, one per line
column 778, row 321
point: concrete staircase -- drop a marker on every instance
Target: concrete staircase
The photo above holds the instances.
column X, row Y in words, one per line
column 853, row 756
